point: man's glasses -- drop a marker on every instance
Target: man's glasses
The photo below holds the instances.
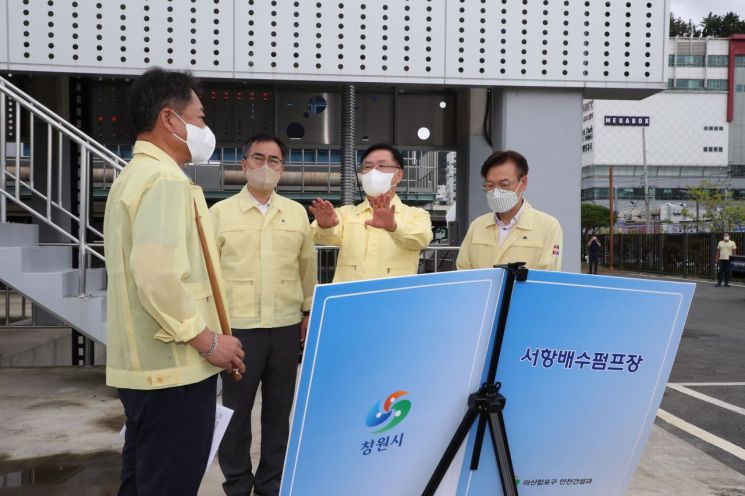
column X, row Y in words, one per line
column 368, row 166
column 487, row 186
column 259, row 159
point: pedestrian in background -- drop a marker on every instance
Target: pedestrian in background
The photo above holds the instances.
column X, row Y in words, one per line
column 593, row 254
column 725, row 249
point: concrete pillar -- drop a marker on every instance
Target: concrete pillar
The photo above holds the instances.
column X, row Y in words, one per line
column 545, row 126
column 473, row 148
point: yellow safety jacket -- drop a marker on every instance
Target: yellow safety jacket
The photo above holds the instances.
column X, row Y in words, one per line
column 535, row 239
column 268, row 260
column 369, row 252
column 159, row 295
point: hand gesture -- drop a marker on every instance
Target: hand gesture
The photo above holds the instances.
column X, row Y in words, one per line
column 383, row 213
column 324, row 212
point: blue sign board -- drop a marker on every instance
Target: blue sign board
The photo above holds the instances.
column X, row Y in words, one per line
column 390, row 363
column 584, row 364
column 388, row 366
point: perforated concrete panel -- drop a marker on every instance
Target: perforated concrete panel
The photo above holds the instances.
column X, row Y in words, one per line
column 569, row 43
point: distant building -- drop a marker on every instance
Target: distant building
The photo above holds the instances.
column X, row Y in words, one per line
column 693, row 131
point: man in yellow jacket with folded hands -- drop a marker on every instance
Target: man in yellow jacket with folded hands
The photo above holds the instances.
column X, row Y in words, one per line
column 380, row 237
column 513, row 231
column 165, row 345
column 269, row 263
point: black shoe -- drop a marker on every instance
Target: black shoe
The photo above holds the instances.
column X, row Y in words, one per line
column 717, row 285
column 726, row 285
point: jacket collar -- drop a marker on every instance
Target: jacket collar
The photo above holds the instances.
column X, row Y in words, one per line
column 148, row 148
column 526, row 220
column 247, row 201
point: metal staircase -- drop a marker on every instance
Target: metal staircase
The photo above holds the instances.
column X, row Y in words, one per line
column 60, row 277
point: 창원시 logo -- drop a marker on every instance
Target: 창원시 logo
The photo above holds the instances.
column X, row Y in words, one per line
column 388, row 412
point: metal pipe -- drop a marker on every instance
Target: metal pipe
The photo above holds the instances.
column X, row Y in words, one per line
column 59, row 168
column 7, row 302
column 3, row 151
column 49, row 172
column 83, row 213
column 31, row 147
column 610, row 204
column 18, row 152
column 348, row 141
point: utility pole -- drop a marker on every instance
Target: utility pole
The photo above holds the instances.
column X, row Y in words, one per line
column 645, row 179
column 610, row 191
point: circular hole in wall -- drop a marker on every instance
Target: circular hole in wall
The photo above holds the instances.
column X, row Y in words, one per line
column 317, row 104
column 295, row 131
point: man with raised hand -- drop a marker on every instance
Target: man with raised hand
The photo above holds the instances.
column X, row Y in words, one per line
column 380, row 237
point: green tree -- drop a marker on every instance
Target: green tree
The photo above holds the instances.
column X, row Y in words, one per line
column 679, row 27
column 719, row 26
column 717, row 206
column 595, row 217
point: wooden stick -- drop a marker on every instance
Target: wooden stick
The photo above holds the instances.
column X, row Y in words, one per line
column 222, row 315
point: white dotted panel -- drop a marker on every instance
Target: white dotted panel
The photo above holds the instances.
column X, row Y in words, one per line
column 567, row 41
column 317, row 38
column 575, row 43
column 123, row 36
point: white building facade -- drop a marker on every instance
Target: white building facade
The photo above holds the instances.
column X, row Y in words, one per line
column 690, row 133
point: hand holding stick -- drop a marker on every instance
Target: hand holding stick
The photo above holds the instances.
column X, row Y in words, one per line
column 219, row 304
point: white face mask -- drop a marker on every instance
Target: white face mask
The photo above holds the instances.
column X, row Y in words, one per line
column 501, row 200
column 263, row 179
column 376, row 183
column 726, row 238
column 199, row 140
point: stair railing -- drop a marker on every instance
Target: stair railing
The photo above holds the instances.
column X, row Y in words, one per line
column 19, row 117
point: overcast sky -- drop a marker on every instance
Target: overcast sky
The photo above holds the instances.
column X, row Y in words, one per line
column 698, row 9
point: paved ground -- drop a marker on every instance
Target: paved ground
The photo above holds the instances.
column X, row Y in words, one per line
column 59, row 427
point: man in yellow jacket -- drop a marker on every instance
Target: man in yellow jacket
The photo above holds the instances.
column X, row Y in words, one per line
column 513, row 231
column 380, row 237
column 268, row 259
column 165, row 345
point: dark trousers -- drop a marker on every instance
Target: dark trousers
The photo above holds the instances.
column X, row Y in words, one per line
column 271, row 359
column 723, row 272
column 593, row 264
column 168, row 438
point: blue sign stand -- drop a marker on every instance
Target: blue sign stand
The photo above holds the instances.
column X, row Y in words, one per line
column 389, row 363
column 486, row 405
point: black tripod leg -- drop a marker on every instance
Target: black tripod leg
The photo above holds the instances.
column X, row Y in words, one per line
column 476, row 455
column 502, row 452
column 450, row 451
